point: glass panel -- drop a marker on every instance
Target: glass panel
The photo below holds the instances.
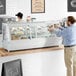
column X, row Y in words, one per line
column 18, row 33
column 42, row 31
column 32, row 31
column 4, row 33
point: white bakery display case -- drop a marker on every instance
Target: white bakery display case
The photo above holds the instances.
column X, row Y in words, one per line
column 18, row 36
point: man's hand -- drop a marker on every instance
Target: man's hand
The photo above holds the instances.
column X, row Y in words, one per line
column 57, row 26
column 51, row 28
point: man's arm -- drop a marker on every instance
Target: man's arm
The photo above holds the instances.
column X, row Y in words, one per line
column 57, row 29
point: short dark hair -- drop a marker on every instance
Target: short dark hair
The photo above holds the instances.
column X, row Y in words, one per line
column 19, row 14
column 71, row 19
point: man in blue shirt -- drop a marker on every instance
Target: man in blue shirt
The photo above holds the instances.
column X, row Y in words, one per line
column 69, row 41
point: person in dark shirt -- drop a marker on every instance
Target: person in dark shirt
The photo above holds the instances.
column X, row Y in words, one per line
column 19, row 17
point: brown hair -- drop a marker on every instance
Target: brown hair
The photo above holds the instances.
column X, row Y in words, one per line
column 71, row 19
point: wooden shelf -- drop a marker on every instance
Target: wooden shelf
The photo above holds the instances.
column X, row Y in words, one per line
column 4, row 53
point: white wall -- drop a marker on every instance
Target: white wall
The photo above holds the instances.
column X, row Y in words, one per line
column 54, row 9
column 49, row 63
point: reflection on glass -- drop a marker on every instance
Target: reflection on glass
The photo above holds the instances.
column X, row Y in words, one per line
column 18, row 33
column 42, row 31
column 29, row 32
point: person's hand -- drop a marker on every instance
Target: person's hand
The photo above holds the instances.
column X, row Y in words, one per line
column 57, row 26
column 51, row 28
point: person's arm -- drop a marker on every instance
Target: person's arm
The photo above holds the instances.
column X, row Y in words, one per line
column 58, row 32
column 57, row 29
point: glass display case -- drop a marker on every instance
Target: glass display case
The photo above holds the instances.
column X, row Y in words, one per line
column 17, row 36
